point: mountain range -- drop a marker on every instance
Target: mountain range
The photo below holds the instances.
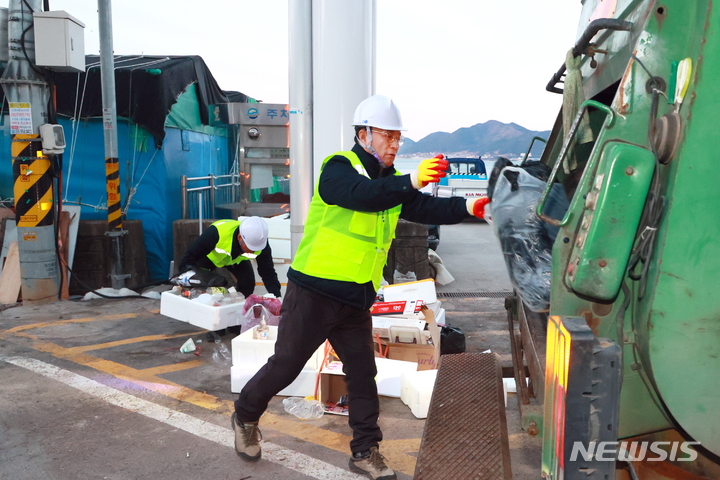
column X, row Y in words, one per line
column 489, row 138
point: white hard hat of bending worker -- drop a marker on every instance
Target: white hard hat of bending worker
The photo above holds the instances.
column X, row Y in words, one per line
column 378, row 111
column 254, row 232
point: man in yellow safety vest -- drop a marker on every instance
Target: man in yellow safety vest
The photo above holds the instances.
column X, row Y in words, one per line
column 337, row 270
column 230, row 244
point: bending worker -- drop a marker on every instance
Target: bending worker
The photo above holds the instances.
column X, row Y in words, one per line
column 337, row 270
column 231, row 244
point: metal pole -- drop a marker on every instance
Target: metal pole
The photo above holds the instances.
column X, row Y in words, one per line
column 28, row 95
column 301, row 117
column 200, row 212
column 112, row 166
column 211, row 212
column 183, row 200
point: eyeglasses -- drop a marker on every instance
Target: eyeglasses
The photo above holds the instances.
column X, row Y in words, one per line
column 391, row 137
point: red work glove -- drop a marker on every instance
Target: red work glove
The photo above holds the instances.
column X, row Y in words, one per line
column 476, row 206
column 429, row 171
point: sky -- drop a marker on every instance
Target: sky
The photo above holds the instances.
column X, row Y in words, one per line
column 447, row 64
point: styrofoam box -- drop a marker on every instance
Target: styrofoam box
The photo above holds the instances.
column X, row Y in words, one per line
column 440, row 317
column 250, row 353
column 421, row 290
column 389, row 373
column 389, row 376
column 509, row 386
column 416, row 391
column 302, row 386
column 200, row 314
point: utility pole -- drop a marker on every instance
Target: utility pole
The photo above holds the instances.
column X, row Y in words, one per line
column 112, row 166
column 28, row 95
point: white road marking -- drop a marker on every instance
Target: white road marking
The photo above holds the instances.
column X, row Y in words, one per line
column 224, row 436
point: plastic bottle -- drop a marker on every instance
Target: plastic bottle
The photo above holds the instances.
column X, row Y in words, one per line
column 262, row 331
column 304, row 408
column 217, row 290
column 193, row 293
column 235, row 296
column 218, row 299
column 221, row 354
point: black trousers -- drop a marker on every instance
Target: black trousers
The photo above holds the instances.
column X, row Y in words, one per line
column 306, row 320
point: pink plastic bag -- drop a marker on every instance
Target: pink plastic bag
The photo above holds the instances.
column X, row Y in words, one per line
column 256, row 308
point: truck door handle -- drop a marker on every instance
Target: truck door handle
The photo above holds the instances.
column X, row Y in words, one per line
column 569, row 137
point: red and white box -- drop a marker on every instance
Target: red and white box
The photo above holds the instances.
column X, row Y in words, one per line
column 400, row 307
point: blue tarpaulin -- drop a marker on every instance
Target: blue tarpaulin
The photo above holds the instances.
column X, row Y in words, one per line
column 152, row 159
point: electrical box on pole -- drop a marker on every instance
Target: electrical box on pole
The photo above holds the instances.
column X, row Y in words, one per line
column 59, row 41
column 28, row 95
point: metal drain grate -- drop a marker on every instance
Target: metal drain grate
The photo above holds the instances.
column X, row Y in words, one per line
column 473, row 294
column 465, row 435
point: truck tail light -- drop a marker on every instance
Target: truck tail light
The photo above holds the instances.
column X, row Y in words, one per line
column 582, row 390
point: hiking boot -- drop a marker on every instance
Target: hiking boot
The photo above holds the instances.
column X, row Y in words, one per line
column 372, row 464
column 247, row 439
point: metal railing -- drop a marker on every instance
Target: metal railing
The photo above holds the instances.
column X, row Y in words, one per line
column 199, row 202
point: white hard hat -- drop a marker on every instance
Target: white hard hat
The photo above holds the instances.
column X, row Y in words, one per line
column 378, row 111
column 254, row 232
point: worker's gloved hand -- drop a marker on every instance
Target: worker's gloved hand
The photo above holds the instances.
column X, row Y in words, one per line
column 429, row 171
column 186, row 279
column 210, row 278
column 476, row 206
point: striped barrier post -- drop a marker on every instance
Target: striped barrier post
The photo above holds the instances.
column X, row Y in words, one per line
column 34, row 213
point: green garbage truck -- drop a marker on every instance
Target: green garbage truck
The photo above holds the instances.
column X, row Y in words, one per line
column 611, row 244
column 622, row 343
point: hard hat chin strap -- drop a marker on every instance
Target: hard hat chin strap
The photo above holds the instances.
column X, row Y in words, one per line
column 369, row 146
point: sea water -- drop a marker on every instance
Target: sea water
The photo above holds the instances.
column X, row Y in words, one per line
column 407, row 165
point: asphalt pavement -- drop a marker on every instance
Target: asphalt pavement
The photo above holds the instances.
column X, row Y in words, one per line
column 100, row 390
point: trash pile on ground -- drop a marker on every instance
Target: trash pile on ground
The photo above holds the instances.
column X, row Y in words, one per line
column 407, row 332
column 213, row 296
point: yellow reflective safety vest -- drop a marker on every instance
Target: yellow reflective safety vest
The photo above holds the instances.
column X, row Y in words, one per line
column 221, row 256
column 343, row 244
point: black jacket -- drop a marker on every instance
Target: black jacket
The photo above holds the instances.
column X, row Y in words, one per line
column 340, row 184
column 196, row 257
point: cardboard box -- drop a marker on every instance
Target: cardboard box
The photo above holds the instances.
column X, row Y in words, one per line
column 388, row 379
column 403, row 307
column 199, row 314
column 427, row 356
column 332, row 383
column 436, row 308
